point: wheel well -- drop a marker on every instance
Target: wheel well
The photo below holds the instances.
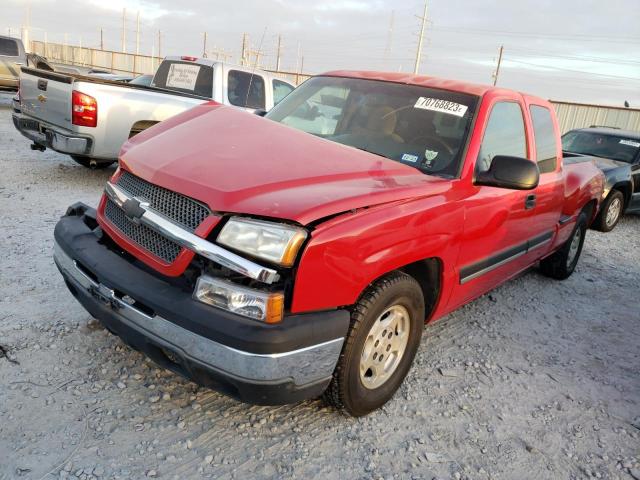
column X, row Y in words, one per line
column 141, row 126
column 589, row 209
column 428, row 274
column 625, row 189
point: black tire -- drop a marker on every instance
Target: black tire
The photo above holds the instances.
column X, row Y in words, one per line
column 560, row 265
column 89, row 162
column 604, row 222
column 346, row 390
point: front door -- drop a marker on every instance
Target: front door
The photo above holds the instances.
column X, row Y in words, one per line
column 499, row 222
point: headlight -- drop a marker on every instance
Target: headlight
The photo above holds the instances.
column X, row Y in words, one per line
column 263, row 306
column 275, row 242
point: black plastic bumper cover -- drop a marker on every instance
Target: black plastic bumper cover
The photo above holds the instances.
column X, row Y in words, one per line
column 77, row 236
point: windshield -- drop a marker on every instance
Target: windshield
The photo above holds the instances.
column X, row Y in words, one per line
column 422, row 127
column 601, row 145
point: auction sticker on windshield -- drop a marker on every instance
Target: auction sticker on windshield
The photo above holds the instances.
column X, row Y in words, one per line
column 442, row 106
column 182, row 76
column 630, row 143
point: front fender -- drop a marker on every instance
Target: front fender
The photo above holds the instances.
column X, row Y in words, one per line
column 348, row 253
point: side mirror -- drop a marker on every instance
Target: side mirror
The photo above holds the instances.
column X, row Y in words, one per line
column 514, row 173
column 260, row 112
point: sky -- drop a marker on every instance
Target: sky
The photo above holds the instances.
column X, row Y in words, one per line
column 572, row 50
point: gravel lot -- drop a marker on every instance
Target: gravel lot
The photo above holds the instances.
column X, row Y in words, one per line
column 537, row 380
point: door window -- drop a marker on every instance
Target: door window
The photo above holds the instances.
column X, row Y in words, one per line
column 280, row 90
column 546, row 140
column 245, row 89
column 504, row 135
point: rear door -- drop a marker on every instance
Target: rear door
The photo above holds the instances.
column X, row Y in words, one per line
column 46, row 96
column 549, row 194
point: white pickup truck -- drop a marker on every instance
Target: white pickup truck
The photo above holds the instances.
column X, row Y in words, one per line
column 91, row 118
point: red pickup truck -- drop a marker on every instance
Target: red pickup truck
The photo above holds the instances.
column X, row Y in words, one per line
column 280, row 258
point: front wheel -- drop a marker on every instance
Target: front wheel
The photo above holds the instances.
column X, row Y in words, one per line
column 92, row 163
column 611, row 212
column 386, row 326
column 562, row 263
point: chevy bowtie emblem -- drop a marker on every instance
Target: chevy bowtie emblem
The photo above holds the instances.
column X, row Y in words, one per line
column 42, row 98
column 133, row 209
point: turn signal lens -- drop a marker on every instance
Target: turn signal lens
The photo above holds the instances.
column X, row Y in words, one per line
column 263, row 306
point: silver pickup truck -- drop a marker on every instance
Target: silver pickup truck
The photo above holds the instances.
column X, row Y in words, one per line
column 91, row 118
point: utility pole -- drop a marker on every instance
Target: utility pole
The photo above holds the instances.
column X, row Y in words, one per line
column 243, row 58
column 389, row 47
column 278, row 55
column 101, row 40
column 159, row 44
column 138, row 33
column 497, row 72
column 124, row 30
column 420, row 39
column 204, row 47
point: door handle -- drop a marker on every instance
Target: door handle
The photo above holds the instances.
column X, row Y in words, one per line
column 530, row 202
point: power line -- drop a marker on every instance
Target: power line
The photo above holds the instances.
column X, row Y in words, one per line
column 573, row 71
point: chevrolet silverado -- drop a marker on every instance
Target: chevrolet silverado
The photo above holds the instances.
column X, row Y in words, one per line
column 301, row 254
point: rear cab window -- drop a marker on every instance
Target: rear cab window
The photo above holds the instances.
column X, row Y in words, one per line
column 9, row 48
column 245, row 89
column 185, row 77
column 504, row 135
column 545, row 138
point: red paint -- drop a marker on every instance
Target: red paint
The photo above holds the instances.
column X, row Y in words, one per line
column 385, row 214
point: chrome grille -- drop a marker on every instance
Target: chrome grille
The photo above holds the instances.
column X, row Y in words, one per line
column 147, row 238
column 185, row 211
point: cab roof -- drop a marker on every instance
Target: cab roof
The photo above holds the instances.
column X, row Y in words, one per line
column 425, row 81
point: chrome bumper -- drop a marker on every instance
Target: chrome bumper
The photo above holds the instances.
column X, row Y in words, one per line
column 303, row 367
column 50, row 138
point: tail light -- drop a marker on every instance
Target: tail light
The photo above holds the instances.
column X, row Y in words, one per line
column 19, row 94
column 84, row 110
column 190, row 59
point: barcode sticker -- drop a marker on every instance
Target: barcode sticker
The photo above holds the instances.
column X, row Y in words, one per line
column 442, row 106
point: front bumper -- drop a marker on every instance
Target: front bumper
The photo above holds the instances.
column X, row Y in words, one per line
column 255, row 362
column 51, row 137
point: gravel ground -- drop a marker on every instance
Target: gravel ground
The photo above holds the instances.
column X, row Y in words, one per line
column 536, row 380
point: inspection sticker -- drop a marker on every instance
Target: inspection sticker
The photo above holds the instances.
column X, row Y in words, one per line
column 183, row 76
column 407, row 157
column 630, row 143
column 442, row 106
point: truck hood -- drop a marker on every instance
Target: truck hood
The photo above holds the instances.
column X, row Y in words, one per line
column 241, row 163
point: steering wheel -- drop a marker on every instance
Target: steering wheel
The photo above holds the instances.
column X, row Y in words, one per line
column 430, row 140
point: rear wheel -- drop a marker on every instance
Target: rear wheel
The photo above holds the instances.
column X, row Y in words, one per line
column 562, row 263
column 91, row 162
column 386, row 326
column 611, row 212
